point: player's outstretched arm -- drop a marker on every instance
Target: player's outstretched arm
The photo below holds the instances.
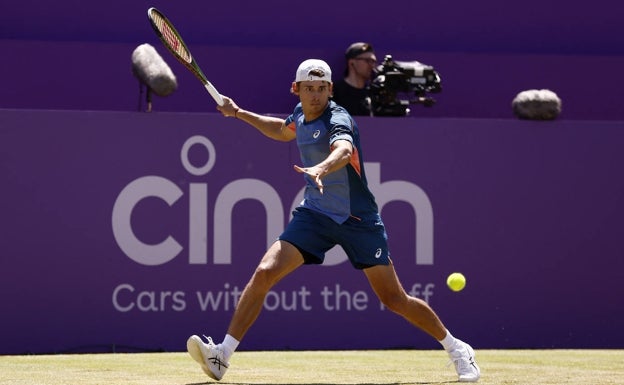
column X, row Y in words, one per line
column 340, row 156
column 270, row 126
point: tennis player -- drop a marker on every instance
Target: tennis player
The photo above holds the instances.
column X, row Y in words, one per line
column 338, row 208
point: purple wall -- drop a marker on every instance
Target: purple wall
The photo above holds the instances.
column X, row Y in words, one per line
column 114, row 233
column 64, row 55
column 530, row 212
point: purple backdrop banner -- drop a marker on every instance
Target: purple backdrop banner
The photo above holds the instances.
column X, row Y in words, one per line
column 131, row 231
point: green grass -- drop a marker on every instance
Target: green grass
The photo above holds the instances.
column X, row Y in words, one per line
column 382, row 367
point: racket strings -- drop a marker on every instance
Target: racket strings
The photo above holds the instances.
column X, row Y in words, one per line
column 171, row 38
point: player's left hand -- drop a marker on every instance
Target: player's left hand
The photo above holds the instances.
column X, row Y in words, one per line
column 314, row 172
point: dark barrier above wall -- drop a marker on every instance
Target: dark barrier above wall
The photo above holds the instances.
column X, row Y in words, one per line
column 474, row 85
column 67, row 56
column 132, row 231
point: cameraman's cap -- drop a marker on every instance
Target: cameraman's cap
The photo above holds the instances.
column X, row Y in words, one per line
column 313, row 69
column 356, row 49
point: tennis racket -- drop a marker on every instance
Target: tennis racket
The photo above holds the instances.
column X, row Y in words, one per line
column 173, row 41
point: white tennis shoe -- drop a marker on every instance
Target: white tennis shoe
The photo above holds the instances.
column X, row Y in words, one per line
column 208, row 355
column 463, row 357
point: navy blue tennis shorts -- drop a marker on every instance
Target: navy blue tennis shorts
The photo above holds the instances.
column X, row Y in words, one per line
column 364, row 241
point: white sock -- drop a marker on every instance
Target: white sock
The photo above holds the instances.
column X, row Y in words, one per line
column 448, row 343
column 229, row 345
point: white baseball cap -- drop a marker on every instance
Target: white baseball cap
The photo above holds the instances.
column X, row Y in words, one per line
column 304, row 72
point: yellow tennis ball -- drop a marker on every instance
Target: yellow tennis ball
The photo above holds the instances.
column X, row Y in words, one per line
column 456, row 281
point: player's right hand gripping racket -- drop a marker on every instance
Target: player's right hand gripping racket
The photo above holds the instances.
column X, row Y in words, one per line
column 174, row 43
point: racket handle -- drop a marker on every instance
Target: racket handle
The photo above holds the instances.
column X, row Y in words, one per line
column 214, row 93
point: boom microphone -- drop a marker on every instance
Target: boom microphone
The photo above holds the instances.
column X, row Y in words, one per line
column 150, row 68
column 536, row 105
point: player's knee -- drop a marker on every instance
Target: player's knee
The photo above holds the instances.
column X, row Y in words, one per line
column 393, row 301
column 263, row 278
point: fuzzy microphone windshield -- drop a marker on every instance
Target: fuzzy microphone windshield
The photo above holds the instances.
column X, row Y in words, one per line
column 536, row 105
column 150, row 68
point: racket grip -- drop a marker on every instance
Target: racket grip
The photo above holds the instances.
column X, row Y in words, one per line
column 214, row 93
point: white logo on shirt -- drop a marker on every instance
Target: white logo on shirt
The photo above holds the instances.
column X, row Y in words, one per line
column 316, row 134
column 378, row 253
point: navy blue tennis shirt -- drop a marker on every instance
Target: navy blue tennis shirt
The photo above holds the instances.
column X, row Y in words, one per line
column 345, row 192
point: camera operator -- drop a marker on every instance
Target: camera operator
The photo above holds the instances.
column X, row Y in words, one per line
column 352, row 92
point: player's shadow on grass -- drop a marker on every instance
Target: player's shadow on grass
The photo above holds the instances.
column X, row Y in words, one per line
column 366, row 383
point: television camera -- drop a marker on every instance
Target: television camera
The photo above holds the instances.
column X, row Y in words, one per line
column 392, row 79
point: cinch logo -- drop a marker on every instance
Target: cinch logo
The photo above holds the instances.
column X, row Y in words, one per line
column 234, row 192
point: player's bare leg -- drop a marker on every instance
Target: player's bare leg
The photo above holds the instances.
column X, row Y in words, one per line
column 280, row 260
column 386, row 284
